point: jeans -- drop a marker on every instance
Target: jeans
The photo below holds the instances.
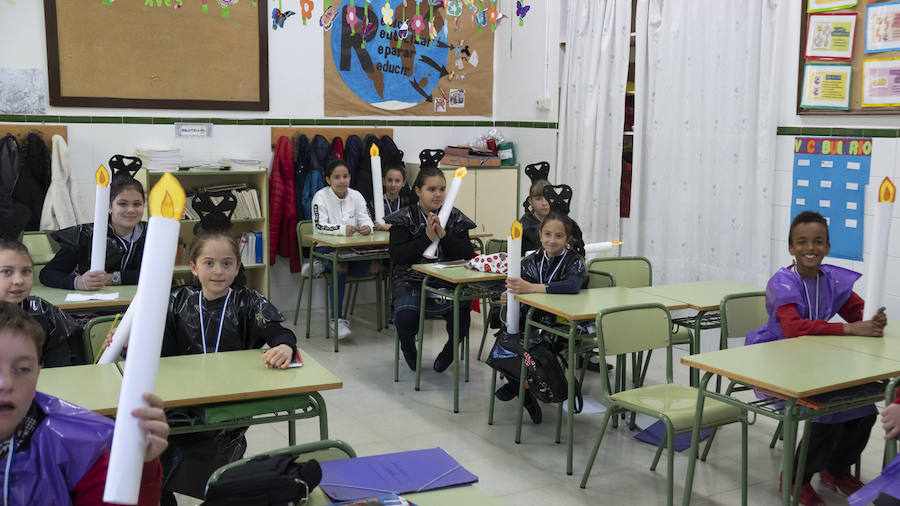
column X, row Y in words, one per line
column 356, row 269
column 406, row 319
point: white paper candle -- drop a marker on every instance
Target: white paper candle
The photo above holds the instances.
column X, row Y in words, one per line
column 444, row 215
column 101, row 217
column 514, row 263
column 594, row 249
column 126, row 460
column 120, row 337
column 377, row 191
column 877, row 262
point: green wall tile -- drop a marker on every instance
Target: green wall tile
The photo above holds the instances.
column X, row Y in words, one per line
column 12, row 117
column 166, row 121
column 137, row 120
column 106, row 119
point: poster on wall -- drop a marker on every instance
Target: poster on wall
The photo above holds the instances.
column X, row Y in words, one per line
column 410, row 58
column 830, row 36
column 881, row 82
column 826, row 86
column 883, row 27
column 828, row 5
column 830, row 177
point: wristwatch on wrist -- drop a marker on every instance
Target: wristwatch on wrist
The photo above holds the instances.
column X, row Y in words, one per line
column 116, row 278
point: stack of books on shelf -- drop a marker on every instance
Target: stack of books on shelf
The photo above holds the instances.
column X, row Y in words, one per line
column 240, row 163
column 251, row 248
column 248, row 206
column 159, row 160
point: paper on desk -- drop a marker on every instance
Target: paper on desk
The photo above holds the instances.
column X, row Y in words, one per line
column 452, row 263
column 81, row 297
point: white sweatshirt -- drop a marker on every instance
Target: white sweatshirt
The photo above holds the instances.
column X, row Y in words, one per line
column 331, row 214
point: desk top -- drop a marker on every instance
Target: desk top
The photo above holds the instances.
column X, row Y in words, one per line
column 701, row 295
column 587, row 303
column 57, row 297
column 796, row 367
column 190, row 380
column 480, row 235
column 886, row 347
column 458, row 274
column 453, row 496
column 93, row 387
column 346, row 241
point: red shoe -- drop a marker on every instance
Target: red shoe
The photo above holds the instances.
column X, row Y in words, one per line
column 846, row 485
column 808, row 495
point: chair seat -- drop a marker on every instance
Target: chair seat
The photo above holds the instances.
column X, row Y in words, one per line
column 678, row 404
column 681, row 335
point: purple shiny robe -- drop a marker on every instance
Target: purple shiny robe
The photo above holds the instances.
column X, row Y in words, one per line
column 835, row 284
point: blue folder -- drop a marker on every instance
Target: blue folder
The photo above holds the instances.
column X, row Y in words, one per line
column 398, row 473
column 655, row 433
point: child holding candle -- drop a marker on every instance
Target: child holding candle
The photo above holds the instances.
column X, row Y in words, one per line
column 70, row 268
column 211, row 318
column 413, row 228
column 801, row 299
column 556, row 267
column 340, row 210
column 396, row 193
column 55, row 452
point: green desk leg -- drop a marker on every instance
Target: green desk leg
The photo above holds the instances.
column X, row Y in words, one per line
column 421, row 333
column 522, row 372
column 695, row 439
column 695, row 346
column 323, row 416
column 787, row 451
column 570, row 376
column 378, row 321
column 456, row 348
column 312, row 261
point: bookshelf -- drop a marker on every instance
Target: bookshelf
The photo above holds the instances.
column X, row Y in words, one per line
column 257, row 273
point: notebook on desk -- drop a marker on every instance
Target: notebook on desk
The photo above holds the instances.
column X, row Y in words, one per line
column 398, row 473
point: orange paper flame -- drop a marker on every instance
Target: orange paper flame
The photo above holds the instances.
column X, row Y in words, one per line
column 373, row 151
column 515, row 231
column 460, row 173
column 101, row 176
column 887, row 191
column 167, row 198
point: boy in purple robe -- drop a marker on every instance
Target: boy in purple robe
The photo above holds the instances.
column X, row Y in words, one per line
column 800, row 299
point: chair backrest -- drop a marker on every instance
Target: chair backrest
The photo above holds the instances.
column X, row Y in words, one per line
column 494, row 246
column 94, row 334
column 304, row 227
column 39, row 246
column 599, row 279
column 635, row 328
column 323, row 451
column 630, row 272
column 741, row 313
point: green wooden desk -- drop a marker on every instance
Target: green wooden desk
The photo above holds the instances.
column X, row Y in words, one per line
column 470, row 285
column 334, row 257
column 887, row 346
column 57, row 297
column 703, row 297
column 575, row 308
column 795, row 369
column 93, row 387
column 454, row 496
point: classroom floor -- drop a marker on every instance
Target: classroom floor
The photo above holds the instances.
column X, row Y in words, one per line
column 376, row 415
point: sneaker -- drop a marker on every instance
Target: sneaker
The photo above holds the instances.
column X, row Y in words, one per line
column 846, row 485
column 410, row 358
column 444, row 359
column 343, row 327
column 808, row 495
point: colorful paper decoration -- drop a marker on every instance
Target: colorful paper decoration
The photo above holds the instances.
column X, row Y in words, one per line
column 328, row 17
column 306, row 10
column 203, row 7
column 226, row 7
column 278, row 17
column 521, row 11
column 418, row 24
column 351, row 18
column 492, row 16
column 454, row 8
column 387, row 14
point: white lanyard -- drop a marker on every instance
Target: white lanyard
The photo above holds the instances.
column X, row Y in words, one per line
column 221, row 321
column 808, row 300
column 9, row 459
column 129, row 248
column 390, row 207
column 541, row 267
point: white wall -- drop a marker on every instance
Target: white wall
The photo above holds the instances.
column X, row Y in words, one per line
column 296, row 91
column 885, row 162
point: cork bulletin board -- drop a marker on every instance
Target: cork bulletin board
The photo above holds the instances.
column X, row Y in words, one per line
column 858, row 81
column 137, row 55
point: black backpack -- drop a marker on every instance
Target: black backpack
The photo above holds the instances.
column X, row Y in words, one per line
column 545, row 370
column 265, row 480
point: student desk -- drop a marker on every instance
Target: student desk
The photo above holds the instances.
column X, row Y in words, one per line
column 576, row 308
column 57, row 297
column 796, row 370
column 470, row 285
column 352, row 241
column 453, row 496
column 93, row 387
column 703, row 297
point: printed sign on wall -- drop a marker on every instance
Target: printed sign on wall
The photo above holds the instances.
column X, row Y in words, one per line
column 830, row 177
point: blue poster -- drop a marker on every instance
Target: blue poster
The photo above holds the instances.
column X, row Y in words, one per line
column 830, row 177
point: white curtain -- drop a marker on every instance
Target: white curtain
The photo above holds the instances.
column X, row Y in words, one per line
column 592, row 113
column 708, row 82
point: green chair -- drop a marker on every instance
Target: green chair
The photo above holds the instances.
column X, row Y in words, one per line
column 323, row 451
column 644, row 327
column 488, row 306
column 39, row 247
column 94, row 335
column 305, row 228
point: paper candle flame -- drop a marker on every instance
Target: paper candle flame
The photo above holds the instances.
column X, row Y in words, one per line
column 515, row 231
column 167, row 198
column 887, row 191
column 373, row 152
column 460, row 173
column 102, row 176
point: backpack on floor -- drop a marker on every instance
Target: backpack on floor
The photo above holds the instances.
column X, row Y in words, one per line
column 545, row 371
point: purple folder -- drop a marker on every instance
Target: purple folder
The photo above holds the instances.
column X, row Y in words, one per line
column 399, row 473
column 655, row 433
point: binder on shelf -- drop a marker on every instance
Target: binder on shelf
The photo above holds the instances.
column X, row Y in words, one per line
column 258, row 240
